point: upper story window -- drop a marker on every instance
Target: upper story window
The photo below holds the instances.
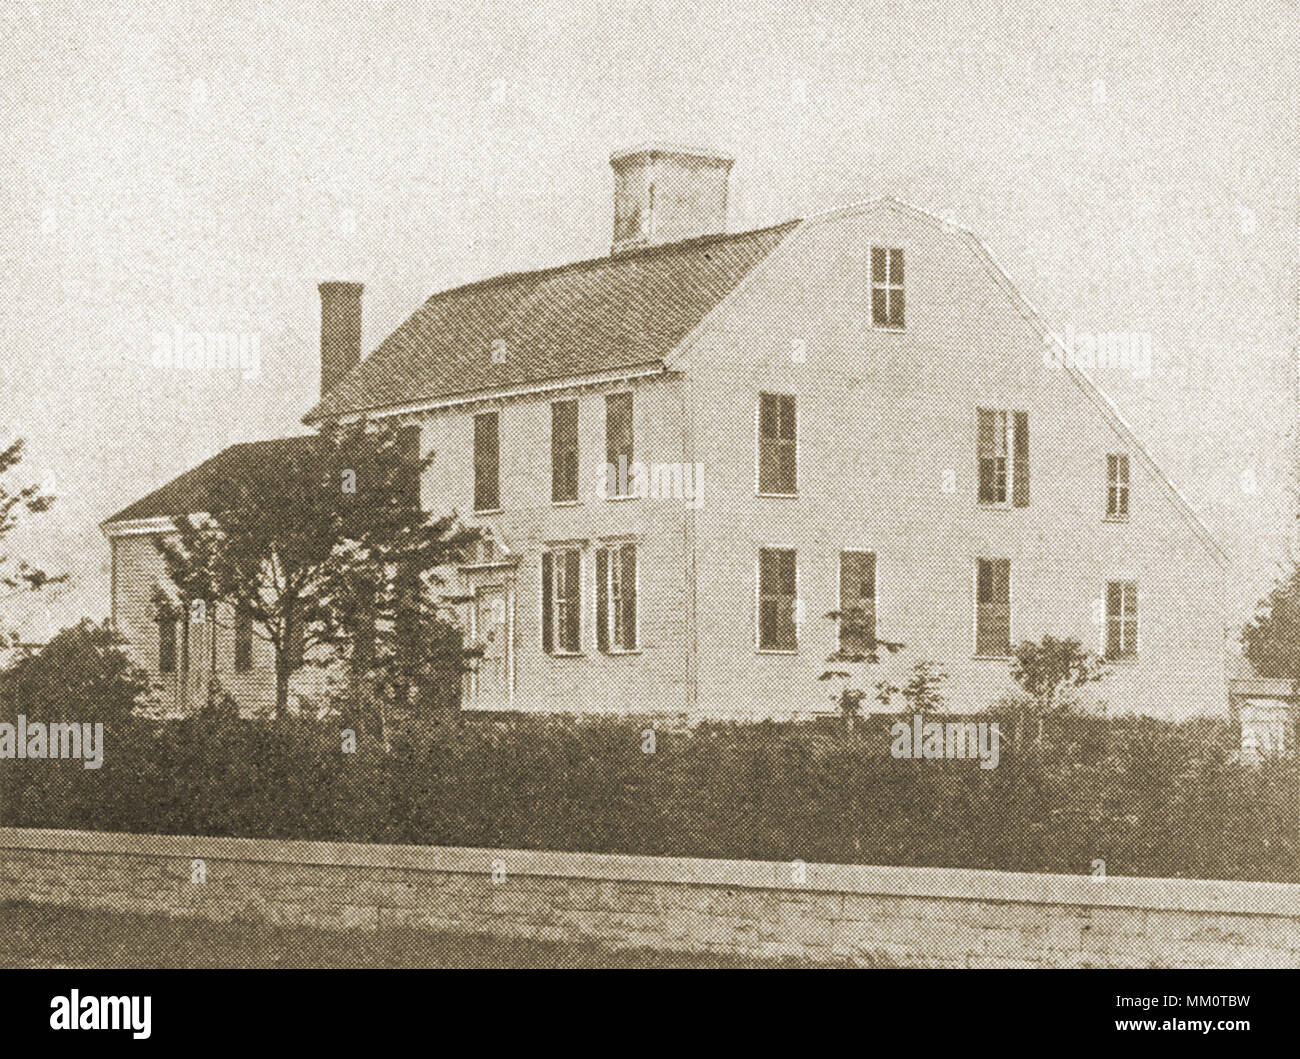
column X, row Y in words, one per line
column 562, row 601
column 857, row 602
column 487, row 462
column 777, row 591
column 886, row 287
column 564, row 452
column 777, row 471
column 1003, row 453
column 1121, row 619
column 618, row 441
column 1117, row 485
column 992, row 608
column 616, row 598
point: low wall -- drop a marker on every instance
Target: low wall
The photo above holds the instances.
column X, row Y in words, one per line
column 944, row 917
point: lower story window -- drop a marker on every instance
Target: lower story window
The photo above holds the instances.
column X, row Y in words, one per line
column 776, row 600
column 166, row 645
column 562, row 601
column 993, row 607
column 1121, row 619
column 616, row 598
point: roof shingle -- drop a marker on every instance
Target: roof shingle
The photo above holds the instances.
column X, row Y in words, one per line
column 622, row 311
column 193, row 492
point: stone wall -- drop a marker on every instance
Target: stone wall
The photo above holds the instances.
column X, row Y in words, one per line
column 824, row 913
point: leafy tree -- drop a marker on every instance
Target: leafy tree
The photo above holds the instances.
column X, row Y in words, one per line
column 81, row 675
column 330, row 551
column 1049, row 670
column 17, row 577
column 1272, row 639
column 922, row 691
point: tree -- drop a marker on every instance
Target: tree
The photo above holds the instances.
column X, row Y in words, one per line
column 81, row 675
column 1272, row 639
column 922, row 692
column 324, row 550
column 17, row 577
column 1048, row 671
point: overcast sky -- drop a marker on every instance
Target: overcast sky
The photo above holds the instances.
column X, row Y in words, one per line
column 1134, row 167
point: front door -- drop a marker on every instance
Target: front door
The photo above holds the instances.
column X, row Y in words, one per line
column 491, row 682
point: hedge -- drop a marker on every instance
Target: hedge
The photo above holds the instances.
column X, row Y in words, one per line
column 1143, row 796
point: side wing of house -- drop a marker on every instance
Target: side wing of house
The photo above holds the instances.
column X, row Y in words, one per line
column 918, row 454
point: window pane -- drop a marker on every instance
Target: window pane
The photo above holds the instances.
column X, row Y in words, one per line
column 896, row 267
column 878, row 264
column 896, row 307
column 879, row 307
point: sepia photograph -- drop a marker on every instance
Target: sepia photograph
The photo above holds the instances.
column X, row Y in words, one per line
column 656, row 485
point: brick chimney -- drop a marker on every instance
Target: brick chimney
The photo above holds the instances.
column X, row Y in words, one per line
column 340, row 331
column 664, row 192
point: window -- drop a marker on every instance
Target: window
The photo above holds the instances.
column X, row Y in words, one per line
column 487, row 462
column 616, row 598
column 618, row 439
column 562, row 601
column 243, row 640
column 857, row 602
column 776, row 600
column 564, row 452
column 1117, row 486
column 166, row 645
column 777, row 474
column 886, row 287
column 992, row 608
column 1121, row 619
column 1002, row 445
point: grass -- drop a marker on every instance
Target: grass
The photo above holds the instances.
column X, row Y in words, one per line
column 46, row 936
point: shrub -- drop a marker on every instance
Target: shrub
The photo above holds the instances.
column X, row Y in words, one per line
column 81, row 675
column 1147, row 797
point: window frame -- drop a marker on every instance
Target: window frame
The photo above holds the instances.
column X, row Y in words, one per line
column 839, row 594
column 552, row 621
column 759, row 598
column 1011, row 634
column 168, row 645
column 761, row 441
column 1011, row 447
column 1117, row 489
column 610, row 552
column 1125, row 656
column 889, row 287
column 495, row 415
column 576, row 498
column 610, row 455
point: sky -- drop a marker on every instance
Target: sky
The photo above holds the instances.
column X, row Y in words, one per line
column 1134, row 167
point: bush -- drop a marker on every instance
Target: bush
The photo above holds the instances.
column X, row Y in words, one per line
column 1145, row 796
column 81, row 675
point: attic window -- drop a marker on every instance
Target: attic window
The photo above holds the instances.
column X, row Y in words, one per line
column 887, row 287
